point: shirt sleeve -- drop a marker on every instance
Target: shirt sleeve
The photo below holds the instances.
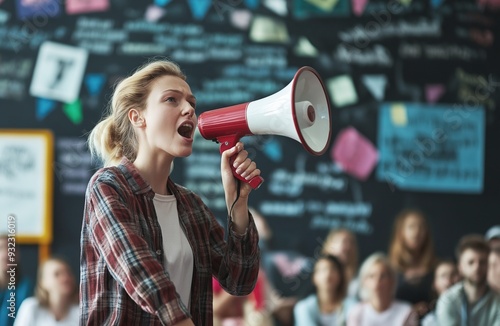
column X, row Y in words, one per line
column 235, row 263
column 303, row 313
column 25, row 315
column 447, row 313
column 115, row 233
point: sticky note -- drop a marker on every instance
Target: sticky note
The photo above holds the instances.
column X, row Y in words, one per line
column 58, row 72
column 38, row 8
column 358, row 7
column 241, row 19
column 154, row 13
column 304, row 48
column 354, row 153
column 433, row 92
column 83, row 6
column 398, row 115
column 342, row 91
column 277, row 6
column 326, row 5
column 267, row 29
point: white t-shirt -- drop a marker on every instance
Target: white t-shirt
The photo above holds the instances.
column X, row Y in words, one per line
column 31, row 313
column 363, row 314
column 178, row 254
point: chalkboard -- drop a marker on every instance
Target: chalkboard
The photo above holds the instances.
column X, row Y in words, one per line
column 398, row 74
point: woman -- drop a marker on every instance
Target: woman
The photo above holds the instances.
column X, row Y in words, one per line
column 342, row 244
column 150, row 247
column 56, row 297
column 327, row 307
column 14, row 288
column 445, row 275
column 379, row 307
column 412, row 255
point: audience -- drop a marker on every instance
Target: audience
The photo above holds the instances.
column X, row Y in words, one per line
column 445, row 275
column 470, row 302
column 493, row 238
column 411, row 253
column 19, row 288
column 328, row 306
column 56, row 297
column 377, row 288
column 342, row 244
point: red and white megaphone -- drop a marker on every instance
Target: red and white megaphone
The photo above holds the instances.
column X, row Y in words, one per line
column 300, row 111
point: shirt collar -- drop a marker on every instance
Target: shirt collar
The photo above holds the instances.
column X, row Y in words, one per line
column 134, row 178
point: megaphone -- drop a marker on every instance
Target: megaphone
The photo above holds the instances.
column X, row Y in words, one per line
column 300, row 111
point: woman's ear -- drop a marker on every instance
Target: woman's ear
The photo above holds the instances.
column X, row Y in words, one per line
column 136, row 118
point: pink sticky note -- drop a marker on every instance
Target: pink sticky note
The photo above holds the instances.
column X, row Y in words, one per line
column 82, row 6
column 354, row 153
column 434, row 92
column 241, row 19
column 154, row 13
column 358, row 6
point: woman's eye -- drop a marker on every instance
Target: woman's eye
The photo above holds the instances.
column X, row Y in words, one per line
column 170, row 99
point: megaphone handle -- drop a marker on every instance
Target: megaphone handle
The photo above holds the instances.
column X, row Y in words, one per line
column 227, row 142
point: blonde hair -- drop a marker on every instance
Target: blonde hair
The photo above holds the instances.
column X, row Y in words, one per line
column 114, row 137
column 373, row 259
column 351, row 266
column 42, row 294
column 400, row 255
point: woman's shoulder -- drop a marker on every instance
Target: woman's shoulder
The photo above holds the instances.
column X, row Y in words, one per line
column 307, row 302
column 30, row 303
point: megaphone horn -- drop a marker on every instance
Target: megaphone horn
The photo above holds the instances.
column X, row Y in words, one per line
column 300, row 111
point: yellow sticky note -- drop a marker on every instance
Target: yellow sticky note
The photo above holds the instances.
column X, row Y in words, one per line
column 342, row 90
column 267, row 29
column 326, row 5
column 398, row 115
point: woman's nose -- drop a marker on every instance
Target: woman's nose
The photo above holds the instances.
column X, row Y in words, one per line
column 188, row 109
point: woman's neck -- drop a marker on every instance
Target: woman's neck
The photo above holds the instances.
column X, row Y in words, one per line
column 59, row 305
column 380, row 304
column 155, row 172
column 327, row 301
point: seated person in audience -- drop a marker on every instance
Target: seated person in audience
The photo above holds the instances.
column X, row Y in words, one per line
column 470, row 302
column 23, row 286
column 493, row 238
column 228, row 309
column 56, row 297
column 328, row 306
column 445, row 275
column 411, row 253
column 379, row 306
column 342, row 244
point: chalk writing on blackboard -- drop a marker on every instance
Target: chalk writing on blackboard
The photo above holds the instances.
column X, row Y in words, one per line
column 440, row 148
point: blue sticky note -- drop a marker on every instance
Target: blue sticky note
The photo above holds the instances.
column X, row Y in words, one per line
column 94, row 83
column 38, row 8
column 252, row 4
column 439, row 148
column 199, row 8
column 162, row 3
column 44, row 107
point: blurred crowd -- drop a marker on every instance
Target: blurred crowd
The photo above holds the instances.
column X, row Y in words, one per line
column 407, row 285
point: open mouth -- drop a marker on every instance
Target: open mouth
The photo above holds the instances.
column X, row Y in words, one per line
column 185, row 130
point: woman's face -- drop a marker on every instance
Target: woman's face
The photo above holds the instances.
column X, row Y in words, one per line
column 341, row 246
column 414, row 232
column 379, row 281
column 169, row 118
column 445, row 276
column 326, row 275
column 57, row 278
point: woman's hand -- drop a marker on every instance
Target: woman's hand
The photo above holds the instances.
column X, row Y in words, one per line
column 247, row 169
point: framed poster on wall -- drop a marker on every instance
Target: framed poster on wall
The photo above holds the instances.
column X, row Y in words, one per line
column 26, row 184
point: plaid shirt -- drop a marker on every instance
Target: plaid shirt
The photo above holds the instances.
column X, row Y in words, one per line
column 122, row 275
